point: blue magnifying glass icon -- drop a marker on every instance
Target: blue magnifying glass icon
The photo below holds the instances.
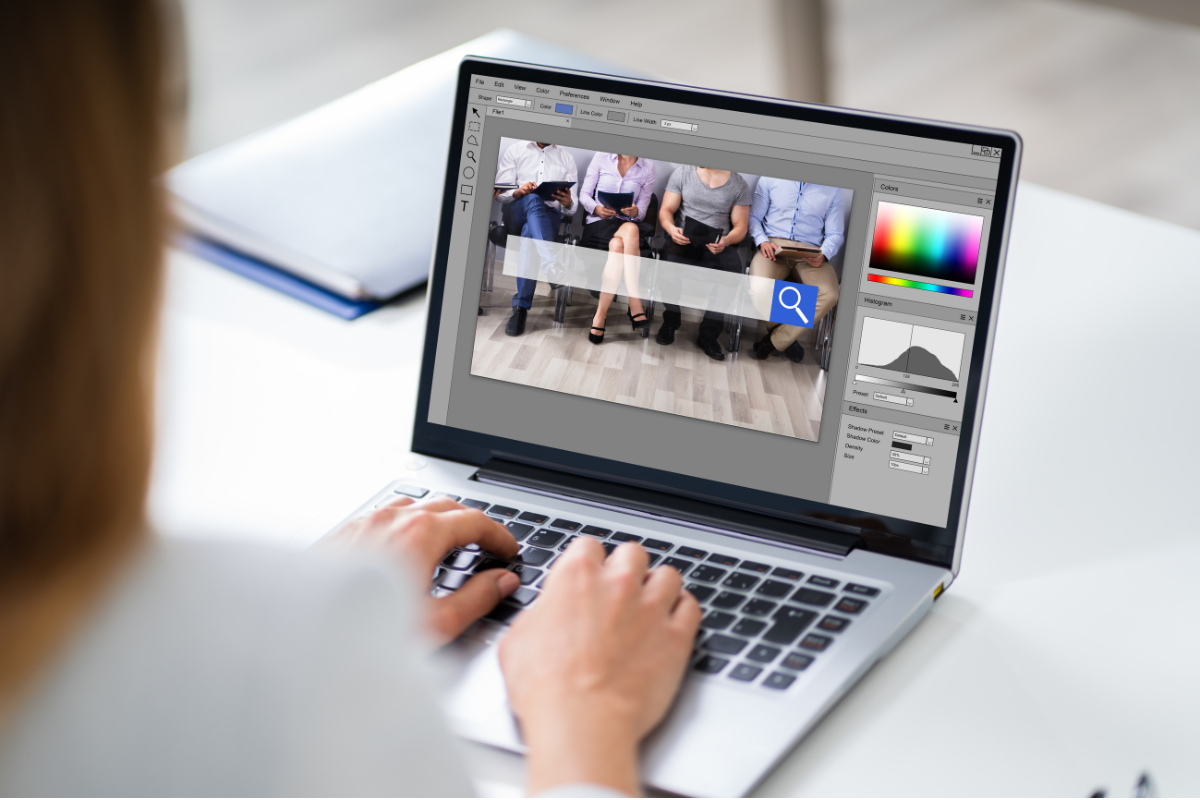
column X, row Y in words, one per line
column 794, row 306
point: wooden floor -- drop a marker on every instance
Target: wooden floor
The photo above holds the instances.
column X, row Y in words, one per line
column 776, row 395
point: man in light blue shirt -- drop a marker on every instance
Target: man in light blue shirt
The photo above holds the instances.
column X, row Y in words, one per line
column 797, row 228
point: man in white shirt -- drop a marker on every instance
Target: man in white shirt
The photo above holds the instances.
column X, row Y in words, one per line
column 529, row 164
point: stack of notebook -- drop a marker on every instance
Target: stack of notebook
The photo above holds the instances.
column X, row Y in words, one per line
column 338, row 207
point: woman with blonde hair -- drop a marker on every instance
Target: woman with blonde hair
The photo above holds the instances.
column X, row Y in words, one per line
column 135, row 665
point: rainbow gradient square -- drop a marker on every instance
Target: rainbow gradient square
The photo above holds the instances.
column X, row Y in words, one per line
column 926, row 242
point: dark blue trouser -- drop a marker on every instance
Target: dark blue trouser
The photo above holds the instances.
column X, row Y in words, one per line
column 533, row 219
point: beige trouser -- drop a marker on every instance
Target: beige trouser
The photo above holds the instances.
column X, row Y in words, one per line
column 791, row 269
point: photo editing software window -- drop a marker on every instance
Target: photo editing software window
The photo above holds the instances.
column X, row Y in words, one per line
column 781, row 305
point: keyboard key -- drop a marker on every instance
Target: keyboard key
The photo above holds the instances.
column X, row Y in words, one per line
column 447, row 496
column 797, row 661
column 775, row 589
column 850, row 605
column 858, row 588
column 503, row 511
column 411, row 491
column 763, row 654
column 828, row 583
column 519, row 530
column 787, row 572
column 833, row 624
column 535, row 556
column 546, row 538
column 536, row 519
column 460, row 560
column 740, row 580
column 567, row 542
column 657, row 544
column 492, row 563
column 745, row 672
column 479, row 504
column 711, row 664
column 503, row 613
column 679, row 564
column 728, row 561
column 595, row 530
column 654, row 557
column 759, row 608
column 565, row 524
column 728, row 600
column 749, row 627
column 816, row 642
column 474, row 548
column 716, row 620
column 625, row 537
column 608, row 547
column 523, row 596
column 453, row 580
column 701, row 593
column 690, row 552
column 754, row 566
column 811, row 597
column 779, row 680
column 527, row 574
column 789, row 623
column 720, row 643
column 707, row 573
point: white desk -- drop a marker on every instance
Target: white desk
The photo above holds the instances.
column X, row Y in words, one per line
column 1064, row 658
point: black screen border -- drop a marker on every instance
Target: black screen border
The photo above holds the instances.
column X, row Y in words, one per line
column 888, row 535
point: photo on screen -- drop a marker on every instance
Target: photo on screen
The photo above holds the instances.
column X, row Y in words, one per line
column 669, row 287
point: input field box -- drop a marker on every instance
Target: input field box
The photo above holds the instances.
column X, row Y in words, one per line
column 912, row 438
column 913, row 468
column 675, row 125
column 893, row 398
column 900, row 455
column 515, row 102
column 528, row 116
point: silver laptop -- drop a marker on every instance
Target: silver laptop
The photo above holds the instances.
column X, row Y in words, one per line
column 813, row 493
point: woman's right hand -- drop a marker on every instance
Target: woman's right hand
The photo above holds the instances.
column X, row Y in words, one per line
column 677, row 236
column 604, row 212
column 595, row 664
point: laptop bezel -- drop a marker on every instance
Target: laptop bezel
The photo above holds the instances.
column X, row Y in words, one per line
column 455, row 444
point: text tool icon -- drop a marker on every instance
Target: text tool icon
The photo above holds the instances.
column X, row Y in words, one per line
column 794, row 304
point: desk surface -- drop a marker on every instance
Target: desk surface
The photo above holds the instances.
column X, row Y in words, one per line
column 1062, row 659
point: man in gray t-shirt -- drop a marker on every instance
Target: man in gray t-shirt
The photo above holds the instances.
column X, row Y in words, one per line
column 699, row 199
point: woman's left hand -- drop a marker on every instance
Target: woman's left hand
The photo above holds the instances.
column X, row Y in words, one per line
column 420, row 536
column 630, row 211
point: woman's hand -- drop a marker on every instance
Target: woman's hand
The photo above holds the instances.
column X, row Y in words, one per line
column 595, row 664
column 604, row 212
column 420, row 536
column 630, row 211
column 677, row 236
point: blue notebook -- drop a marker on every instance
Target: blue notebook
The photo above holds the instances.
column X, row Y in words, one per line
column 275, row 278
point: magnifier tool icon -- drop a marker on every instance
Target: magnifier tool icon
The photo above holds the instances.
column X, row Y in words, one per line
column 795, row 306
column 471, row 155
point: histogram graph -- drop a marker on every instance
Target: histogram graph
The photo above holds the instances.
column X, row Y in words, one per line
column 911, row 349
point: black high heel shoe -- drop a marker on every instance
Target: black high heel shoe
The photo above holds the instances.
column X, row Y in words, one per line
column 636, row 323
column 593, row 338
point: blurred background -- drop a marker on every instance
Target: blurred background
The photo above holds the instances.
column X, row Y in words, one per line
column 1105, row 94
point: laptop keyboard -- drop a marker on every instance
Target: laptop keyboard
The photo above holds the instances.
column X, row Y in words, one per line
column 763, row 624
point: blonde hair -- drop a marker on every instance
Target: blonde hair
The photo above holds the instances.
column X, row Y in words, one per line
column 82, row 226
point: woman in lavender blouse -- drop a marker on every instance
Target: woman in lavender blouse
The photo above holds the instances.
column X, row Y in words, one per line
column 617, row 230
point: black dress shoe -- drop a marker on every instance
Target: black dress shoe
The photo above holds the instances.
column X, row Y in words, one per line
column 764, row 348
column 711, row 349
column 666, row 334
column 794, row 353
column 516, row 322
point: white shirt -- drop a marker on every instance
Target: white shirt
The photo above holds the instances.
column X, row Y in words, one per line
column 221, row 669
column 525, row 161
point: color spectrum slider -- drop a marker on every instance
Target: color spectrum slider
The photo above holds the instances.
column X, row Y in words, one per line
column 929, row 287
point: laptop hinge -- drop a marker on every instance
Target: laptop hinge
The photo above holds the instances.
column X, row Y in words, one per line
column 668, row 506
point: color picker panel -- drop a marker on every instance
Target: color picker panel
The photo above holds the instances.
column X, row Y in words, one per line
column 926, row 242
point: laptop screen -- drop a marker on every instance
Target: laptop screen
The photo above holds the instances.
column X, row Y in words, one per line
column 688, row 293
